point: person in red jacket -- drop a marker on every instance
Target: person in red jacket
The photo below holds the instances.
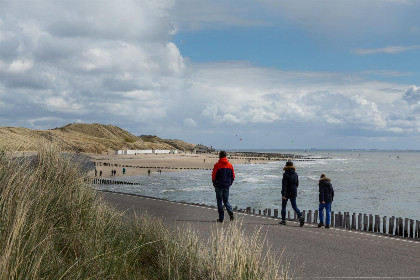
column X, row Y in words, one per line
column 223, row 176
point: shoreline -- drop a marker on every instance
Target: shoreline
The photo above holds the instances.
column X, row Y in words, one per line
column 141, row 164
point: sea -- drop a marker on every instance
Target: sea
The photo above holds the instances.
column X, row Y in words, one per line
column 385, row 183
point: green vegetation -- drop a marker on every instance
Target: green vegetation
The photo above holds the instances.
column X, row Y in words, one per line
column 53, row 225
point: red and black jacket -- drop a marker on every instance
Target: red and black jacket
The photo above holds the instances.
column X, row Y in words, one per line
column 223, row 174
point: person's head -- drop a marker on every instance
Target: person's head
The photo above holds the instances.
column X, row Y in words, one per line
column 323, row 176
column 289, row 163
column 222, row 154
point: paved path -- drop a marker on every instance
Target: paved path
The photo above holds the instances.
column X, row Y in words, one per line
column 318, row 253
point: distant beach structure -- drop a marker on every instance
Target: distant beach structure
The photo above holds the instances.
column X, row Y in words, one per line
column 135, row 152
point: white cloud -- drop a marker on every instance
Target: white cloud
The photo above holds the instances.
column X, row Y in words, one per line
column 386, row 50
column 189, row 122
column 412, row 95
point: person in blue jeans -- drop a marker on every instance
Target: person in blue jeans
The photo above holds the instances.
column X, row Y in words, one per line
column 326, row 196
column 290, row 183
column 223, row 176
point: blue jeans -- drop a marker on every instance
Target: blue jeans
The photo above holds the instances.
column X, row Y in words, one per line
column 327, row 207
column 222, row 195
column 294, row 206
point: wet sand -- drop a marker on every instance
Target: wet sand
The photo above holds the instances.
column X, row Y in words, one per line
column 142, row 163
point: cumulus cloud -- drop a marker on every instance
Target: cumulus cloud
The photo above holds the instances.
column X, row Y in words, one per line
column 412, row 95
column 104, row 59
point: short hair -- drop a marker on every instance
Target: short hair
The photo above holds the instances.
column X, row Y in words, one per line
column 323, row 176
column 222, row 154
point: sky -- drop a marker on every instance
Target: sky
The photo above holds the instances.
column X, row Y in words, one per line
column 266, row 74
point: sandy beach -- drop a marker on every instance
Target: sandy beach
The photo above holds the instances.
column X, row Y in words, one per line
column 142, row 163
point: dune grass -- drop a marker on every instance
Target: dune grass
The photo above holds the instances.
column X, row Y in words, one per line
column 53, row 225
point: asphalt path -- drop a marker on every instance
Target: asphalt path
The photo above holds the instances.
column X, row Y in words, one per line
column 313, row 253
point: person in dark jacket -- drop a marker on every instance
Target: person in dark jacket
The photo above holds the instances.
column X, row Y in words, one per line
column 223, row 176
column 289, row 187
column 326, row 196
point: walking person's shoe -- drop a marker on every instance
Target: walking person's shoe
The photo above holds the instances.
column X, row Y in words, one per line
column 219, row 221
column 320, row 224
column 282, row 222
column 302, row 221
column 231, row 216
column 327, row 226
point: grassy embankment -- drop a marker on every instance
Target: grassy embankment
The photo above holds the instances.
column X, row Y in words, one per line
column 53, row 226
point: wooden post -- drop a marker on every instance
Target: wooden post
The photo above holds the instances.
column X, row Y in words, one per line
column 294, row 216
column 236, row 208
column 316, row 216
column 269, row 212
column 359, row 222
column 400, row 226
column 288, row 215
column 265, row 212
column 248, row 210
column 391, row 225
column 332, row 219
column 365, row 222
column 253, row 211
column 259, row 211
column 309, row 216
column 337, row 220
column 370, row 223
column 411, row 228
column 303, row 214
column 276, row 213
column 384, row 225
column 406, row 227
column 353, row 221
column 376, row 226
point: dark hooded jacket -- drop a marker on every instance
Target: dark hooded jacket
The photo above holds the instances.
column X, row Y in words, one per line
column 326, row 191
column 290, row 182
column 223, row 174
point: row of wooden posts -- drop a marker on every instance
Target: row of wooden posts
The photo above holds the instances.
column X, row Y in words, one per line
column 98, row 181
column 370, row 223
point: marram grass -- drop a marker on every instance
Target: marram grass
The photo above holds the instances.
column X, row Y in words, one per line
column 53, row 225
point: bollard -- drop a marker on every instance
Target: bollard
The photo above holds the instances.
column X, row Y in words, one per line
column 370, row 223
column 400, row 226
column 236, row 208
column 337, row 220
column 391, row 225
column 332, row 218
column 309, row 218
column 259, row 212
column 253, row 211
column 353, row 221
column 365, row 222
column 376, row 226
column 288, row 215
column 316, row 216
column 276, row 213
column 406, row 227
column 294, row 216
column 303, row 213
column 411, row 228
column 269, row 212
column 359, row 222
column 248, row 210
column 384, row 225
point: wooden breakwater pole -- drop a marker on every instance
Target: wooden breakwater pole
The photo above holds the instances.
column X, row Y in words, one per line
column 392, row 226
